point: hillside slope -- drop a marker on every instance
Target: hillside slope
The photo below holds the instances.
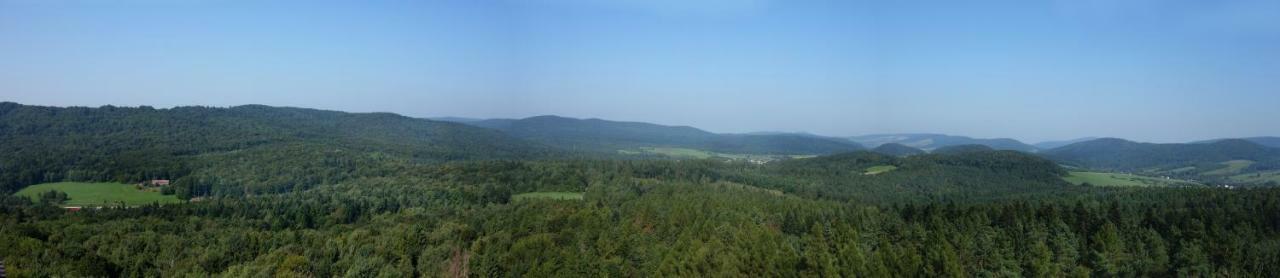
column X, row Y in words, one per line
column 253, row 145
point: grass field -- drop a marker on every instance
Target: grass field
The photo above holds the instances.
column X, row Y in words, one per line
column 1259, row 177
column 1117, row 179
column 94, row 194
column 874, row 170
column 1232, row 167
column 548, row 195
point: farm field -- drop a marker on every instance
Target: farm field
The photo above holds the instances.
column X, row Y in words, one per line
column 1123, row 180
column 92, row 194
column 548, row 195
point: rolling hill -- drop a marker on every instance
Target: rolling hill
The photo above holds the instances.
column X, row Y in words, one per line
column 962, row 149
column 252, row 145
column 899, row 150
column 1120, row 154
column 1273, row 142
column 927, row 141
column 1048, row 145
column 612, row 136
column 1222, row 162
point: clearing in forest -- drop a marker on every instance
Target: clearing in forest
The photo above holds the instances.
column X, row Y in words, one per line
column 875, row 170
column 548, row 195
column 98, row 194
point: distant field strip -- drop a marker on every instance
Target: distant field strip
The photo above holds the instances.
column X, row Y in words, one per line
column 95, row 194
column 1123, row 180
column 1231, row 167
column 875, row 170
column 1259, row 177
column 701, row 154
column 548, row 195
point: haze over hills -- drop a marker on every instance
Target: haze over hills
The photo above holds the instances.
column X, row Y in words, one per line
column 613, row 136
column 928, row 141
column 1047, row 145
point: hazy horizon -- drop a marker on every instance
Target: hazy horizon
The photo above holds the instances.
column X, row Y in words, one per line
column 1151, row 71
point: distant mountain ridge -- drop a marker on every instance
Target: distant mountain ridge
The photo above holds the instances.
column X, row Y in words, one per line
column 612, row 136
column 1048, row 145
column 929, row 141
column 963, row 149
column 899, row 150
column 1268, row 141
column 1120, row 154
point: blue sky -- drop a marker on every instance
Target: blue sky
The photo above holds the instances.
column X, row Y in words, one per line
column 1149, row 70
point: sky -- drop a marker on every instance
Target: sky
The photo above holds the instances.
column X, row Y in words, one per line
column 1146, row 70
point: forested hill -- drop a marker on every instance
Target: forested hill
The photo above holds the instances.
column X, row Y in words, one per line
column 1049, row 145
column 928, row 141
column 895, row 149
column 612, row 136
column 1119, row 154
column 1268, row 141
column 979, row 175
column 253, row 144
column 960, row 149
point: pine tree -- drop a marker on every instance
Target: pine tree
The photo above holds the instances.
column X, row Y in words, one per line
column 1107, row 252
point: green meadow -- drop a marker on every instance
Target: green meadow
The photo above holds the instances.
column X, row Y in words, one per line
column 94, row 194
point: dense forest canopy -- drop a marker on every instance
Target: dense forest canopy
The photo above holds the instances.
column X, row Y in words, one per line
column 307, row 193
